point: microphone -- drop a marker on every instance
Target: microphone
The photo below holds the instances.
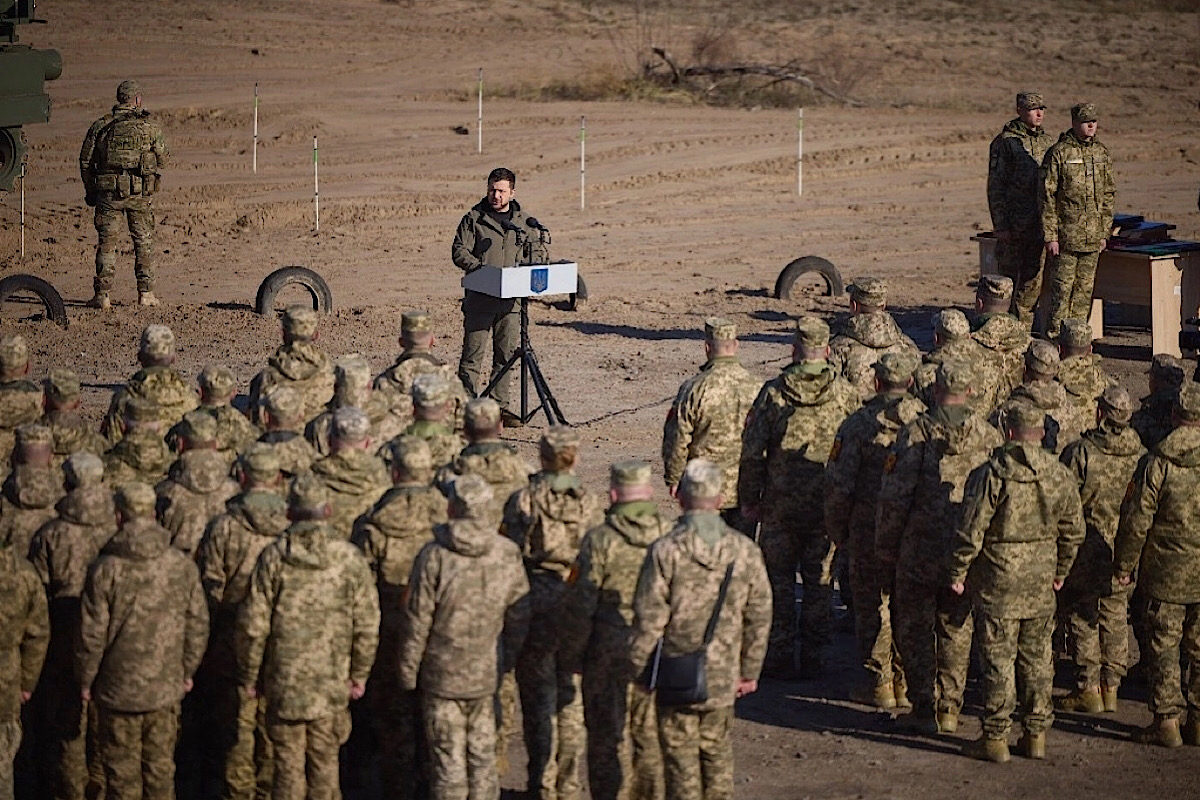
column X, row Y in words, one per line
column 537, row 226
column 509, row 226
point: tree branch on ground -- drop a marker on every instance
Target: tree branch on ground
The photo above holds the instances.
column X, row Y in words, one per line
column 780, row 72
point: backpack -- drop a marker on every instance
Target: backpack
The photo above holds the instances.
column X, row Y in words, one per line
column 122, row 144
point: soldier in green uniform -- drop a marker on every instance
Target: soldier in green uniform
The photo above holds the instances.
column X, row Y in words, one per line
column 30, row 491
column 72, row 433
column 1040, row 387
column 282, row 410
column 352, row 387
column 417, row 358
column 1079, row 369
column 869, row 332
column 235, row 432
column 299, row 363
column 1001, row 333
column 432, row 398
column 156, row 383
column 121, row 162
column 198, row 486
column 141, row 454
column 952, row 341
column 20, row 398
column 1153, row 418
column 353, row 475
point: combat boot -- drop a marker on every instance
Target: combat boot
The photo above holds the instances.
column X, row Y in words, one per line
column 100, row 301
column 987, row 749
column 1086, row 701
column 147, row 299
column 900, row 690
column 1164, row 732
column 1109, row 695
column 918, row 722
column 947, row 721
column 880, row 695
column 1033, row 745
column 1191, row 730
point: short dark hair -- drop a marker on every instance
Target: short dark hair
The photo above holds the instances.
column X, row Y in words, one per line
column 503, row 174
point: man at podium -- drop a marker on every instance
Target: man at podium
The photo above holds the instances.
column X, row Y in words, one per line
column 494, row 233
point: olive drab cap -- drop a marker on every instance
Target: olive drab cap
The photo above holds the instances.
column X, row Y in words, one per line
column 140, row 410
column 1166, row 370
column 157, row 341
column 896, row 368
column 954, row 376
column 307, row 493
column 216, row 381
column 350, row 425
column 136, row 499
column 1083, row 112
column 1075, row 333
column 1025, row 417
column 352, row 370
column 198, row 427
column 415, row 322
column 995, row 287
column 481, row 412
column 473, row 496
column 701, row 479
column 811, row 332
column 719, row 329
column 559, row 439
column 300, row 322
column 869, row 291
column 1042, row 357
column 431, row 390
column 412, row 455
column 629, row 473
column 127, row 90
column 260, row 462
column 951, row 324
column 14, row 352
column 61, row 385
column 1117, row 404
column 1027, row 101
column 83, row 469
column 28, row 435
column 283, row 403
column 1187, row 403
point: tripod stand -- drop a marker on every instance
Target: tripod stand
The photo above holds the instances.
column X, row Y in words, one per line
column 530, row 373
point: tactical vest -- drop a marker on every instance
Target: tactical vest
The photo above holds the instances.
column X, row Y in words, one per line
column 124, row 145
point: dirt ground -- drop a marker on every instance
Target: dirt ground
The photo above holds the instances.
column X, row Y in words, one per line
column 690, row 211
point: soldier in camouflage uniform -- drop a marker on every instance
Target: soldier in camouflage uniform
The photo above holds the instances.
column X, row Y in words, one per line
column 352, row 387
column 952, row 341
column 1077, row 196
column 1153, row 420
column 1159, row 540
column 72, row 434
column 1079, row 369
column 548, row 520
column 30, row 491
column 852, row 480
column 353, row 475
column 306, row 639
column 417, row 358
column 788, row 437
column 1065, row 422
column 709, row 413
column 1014, row 159
column 141, row 455
column 62, row 551
column 143, row 630
column 235, row 432
column 432, row 400
column 1021, row 526
column 282, row 407
column 198, row 486
column 226, row 558
column 298, row 363
column 20, row 398
column 866, row 335
column 624, row 760
column 1002, row 334
column 1096, row 605
column 390, row 536
column 920, row 499
column 120, row 163
column 156, row 383
column 677, row 592
column 24, row 634
column 465, row 619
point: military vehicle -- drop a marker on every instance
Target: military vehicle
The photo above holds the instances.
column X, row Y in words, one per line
column 23, row 98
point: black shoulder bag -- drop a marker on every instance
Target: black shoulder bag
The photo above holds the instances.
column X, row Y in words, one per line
column 683, row 680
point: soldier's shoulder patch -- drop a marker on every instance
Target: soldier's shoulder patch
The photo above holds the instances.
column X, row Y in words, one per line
column 890, row 463
column 836, row 450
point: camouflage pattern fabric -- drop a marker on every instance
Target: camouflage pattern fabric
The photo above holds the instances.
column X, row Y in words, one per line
column 1072, row 278
column 1077, row 194
column 140, row 457
column 985, row 367
column 1152, row 420
column 1007, row 338
column 10, row 743
column 20, row 404
column 697, row 752
column 1065, row 422
column 356, row 479
column 27, row 501
column 235, row 432
column 71, row 434
column 306, row 756
column 1084, row 380
column 1013, row 183
column 498, row 463
column 301, row 365
column 385, row 425
column 462, row 746
column 395, row 383
column 863, row 339
column 1173, row 630
column 443, row 442
column 161, row 386
column 24, row 635
column 138, row 752
column 193, row 496
column 295, row 454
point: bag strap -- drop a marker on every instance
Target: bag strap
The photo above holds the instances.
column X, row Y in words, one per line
column 711, row 630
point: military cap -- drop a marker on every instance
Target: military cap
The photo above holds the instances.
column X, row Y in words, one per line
column 283, row 403
column 260, row 461
column 353, row 370
column 83, row 469
column 1027, row 101
column 1117, row 404
column 1187, row 403
column 811, row 332
column 307, row 492
column 482, row 412
column 127, row 90
column 14, row 352
column 350, row 424
column 198, row 427
column 719, row 329
column 28, row 435
column 412, row 455
column 157, row 341
column 61, row 384
column 1042, row 357
column 701, row 479
column 559, row 438
column 415, row 322
column 136, row 499
column 868, row 291
column 300, row 322
column 995, row 287
column 138, row 409
column 1025, row 417
column 896, row 368
column 951, row 323
column 955, row 376
column 217, row 381
column 629, row 473
column 1166, row 370
column 472, row 494
column 1075, row 333
column 430, row 390
column 1083, row 112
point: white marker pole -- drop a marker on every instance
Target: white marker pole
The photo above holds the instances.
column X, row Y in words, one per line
column 582, row 161
column 255, row 157
column 479, row 123
column 316, row 190
column 22, row 212
column 800, row 153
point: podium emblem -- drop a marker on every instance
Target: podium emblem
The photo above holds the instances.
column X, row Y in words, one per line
column 539, row 280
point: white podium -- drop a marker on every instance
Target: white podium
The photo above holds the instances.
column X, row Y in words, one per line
column 537, row 280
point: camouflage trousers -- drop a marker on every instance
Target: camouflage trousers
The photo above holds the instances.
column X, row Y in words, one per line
column 552, row 712
column 306, row 756
column 1072, row 278
column 1098, row 638
column 623, row 754
column 396, row 717
column 1173, row 627
column 462, row 748
column 781, row 550
column 871, row 588
column 71, row 730
column 933, row 629
column 137, row 213
column 1021, row 258
column 697, row 752
column 138, row 753
column 10, row 742
column 249, row 762
column 507, row 704
column 503, row 331
column 1017, row 656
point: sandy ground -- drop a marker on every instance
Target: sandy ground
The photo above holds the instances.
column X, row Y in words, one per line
column 690, row 211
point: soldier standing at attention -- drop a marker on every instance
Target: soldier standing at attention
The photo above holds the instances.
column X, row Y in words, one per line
column 1004, row 336
column 677, row 592
column 157, row 383
column 299, row 363
column 952, row 341
column 709, row 413
column 1020, row 529
column 867, row 334
column 1012, row 190
column 417, row 358
column 20, row 398
column 1078, row 194
column 120, row 164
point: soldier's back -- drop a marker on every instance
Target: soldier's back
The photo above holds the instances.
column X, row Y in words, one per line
column 160, row 386
column 861, row 341
column 194, row 494
column 27, row 502
column 356, row 479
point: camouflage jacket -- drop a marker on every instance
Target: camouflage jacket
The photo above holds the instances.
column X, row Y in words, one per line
column 855, row 469
column 302, row 366
column 65, row 547
column 195, row 493
column 395, row 383
column 162, row 386
column 1159, row 536
column 24, row 631
column 20, row 404
column 295, row 454
column 235, row 432
column 356, row 479
column 706, row 421
column 1085, row 380
column 141, row 456
column 987, row 372
column 1078, row 193
column 923, row 487
column 1103, row 463
column 1021, row 526
column 1065, row 422
column 1014, row 159
column 309, row 624
column 144, row 622
column 27, row 502
column 232, row 544
column 603, row 581
column 1152, row 420
column 154, row 142
column 677, row 591
column 444, row 444
column 385, row 426
column 497, row 463
column 72, row 434
column 860, row 341
column 787, row 440
column 468, row 588
column 1007, row 339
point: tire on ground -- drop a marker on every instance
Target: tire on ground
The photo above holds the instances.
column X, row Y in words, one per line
column 51, row 299
column 834, row 285
column 318, row 289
